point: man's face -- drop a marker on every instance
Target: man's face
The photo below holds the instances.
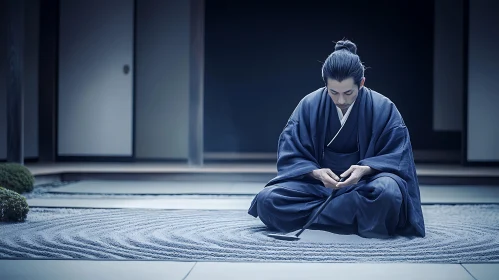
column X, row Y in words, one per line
column 343, row 93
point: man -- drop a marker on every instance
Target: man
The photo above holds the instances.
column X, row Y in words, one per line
column 344, row 130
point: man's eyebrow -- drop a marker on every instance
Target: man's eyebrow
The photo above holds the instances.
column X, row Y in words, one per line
column 343, row 92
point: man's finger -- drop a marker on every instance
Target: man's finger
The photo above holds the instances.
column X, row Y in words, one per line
column 331, row 173
column 329, row 181
column 347, row 182
column 348, row 172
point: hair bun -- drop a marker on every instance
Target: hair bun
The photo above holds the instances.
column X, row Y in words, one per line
column 346, row 45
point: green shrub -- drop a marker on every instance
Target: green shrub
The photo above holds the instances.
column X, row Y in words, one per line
column 13, row 206
column 16, row 177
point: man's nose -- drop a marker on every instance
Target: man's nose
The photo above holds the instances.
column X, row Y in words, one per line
column 341, row 100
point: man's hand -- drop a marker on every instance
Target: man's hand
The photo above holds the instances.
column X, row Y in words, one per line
column 326, row 176
column 356, row 172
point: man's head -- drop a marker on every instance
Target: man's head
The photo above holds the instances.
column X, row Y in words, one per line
column 343, row 93
column 343, row 74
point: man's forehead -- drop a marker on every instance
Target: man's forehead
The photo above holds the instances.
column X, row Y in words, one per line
column 342, row 86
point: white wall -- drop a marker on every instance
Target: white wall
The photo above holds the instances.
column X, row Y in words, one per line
column 483, row 93
column 162, row 79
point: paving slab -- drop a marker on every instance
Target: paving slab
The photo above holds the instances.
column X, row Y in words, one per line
column 76, row 270
column 483, row 271
column 337, row 271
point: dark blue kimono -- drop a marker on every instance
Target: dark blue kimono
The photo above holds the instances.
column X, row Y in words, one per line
column 382, row 204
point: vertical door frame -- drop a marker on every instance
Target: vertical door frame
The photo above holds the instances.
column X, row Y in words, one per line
column 196, row 82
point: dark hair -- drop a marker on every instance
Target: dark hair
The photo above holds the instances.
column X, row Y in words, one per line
column 343, row 63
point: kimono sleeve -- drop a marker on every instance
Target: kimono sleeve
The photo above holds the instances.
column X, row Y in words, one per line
column 296, row 154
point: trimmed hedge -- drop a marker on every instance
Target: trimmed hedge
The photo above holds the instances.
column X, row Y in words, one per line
column 16, row 177
column 13, row 206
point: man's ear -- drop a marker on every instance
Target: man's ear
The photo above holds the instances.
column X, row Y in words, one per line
column 362, row 82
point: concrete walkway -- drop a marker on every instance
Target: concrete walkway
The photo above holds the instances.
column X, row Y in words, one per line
column 123, row 270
